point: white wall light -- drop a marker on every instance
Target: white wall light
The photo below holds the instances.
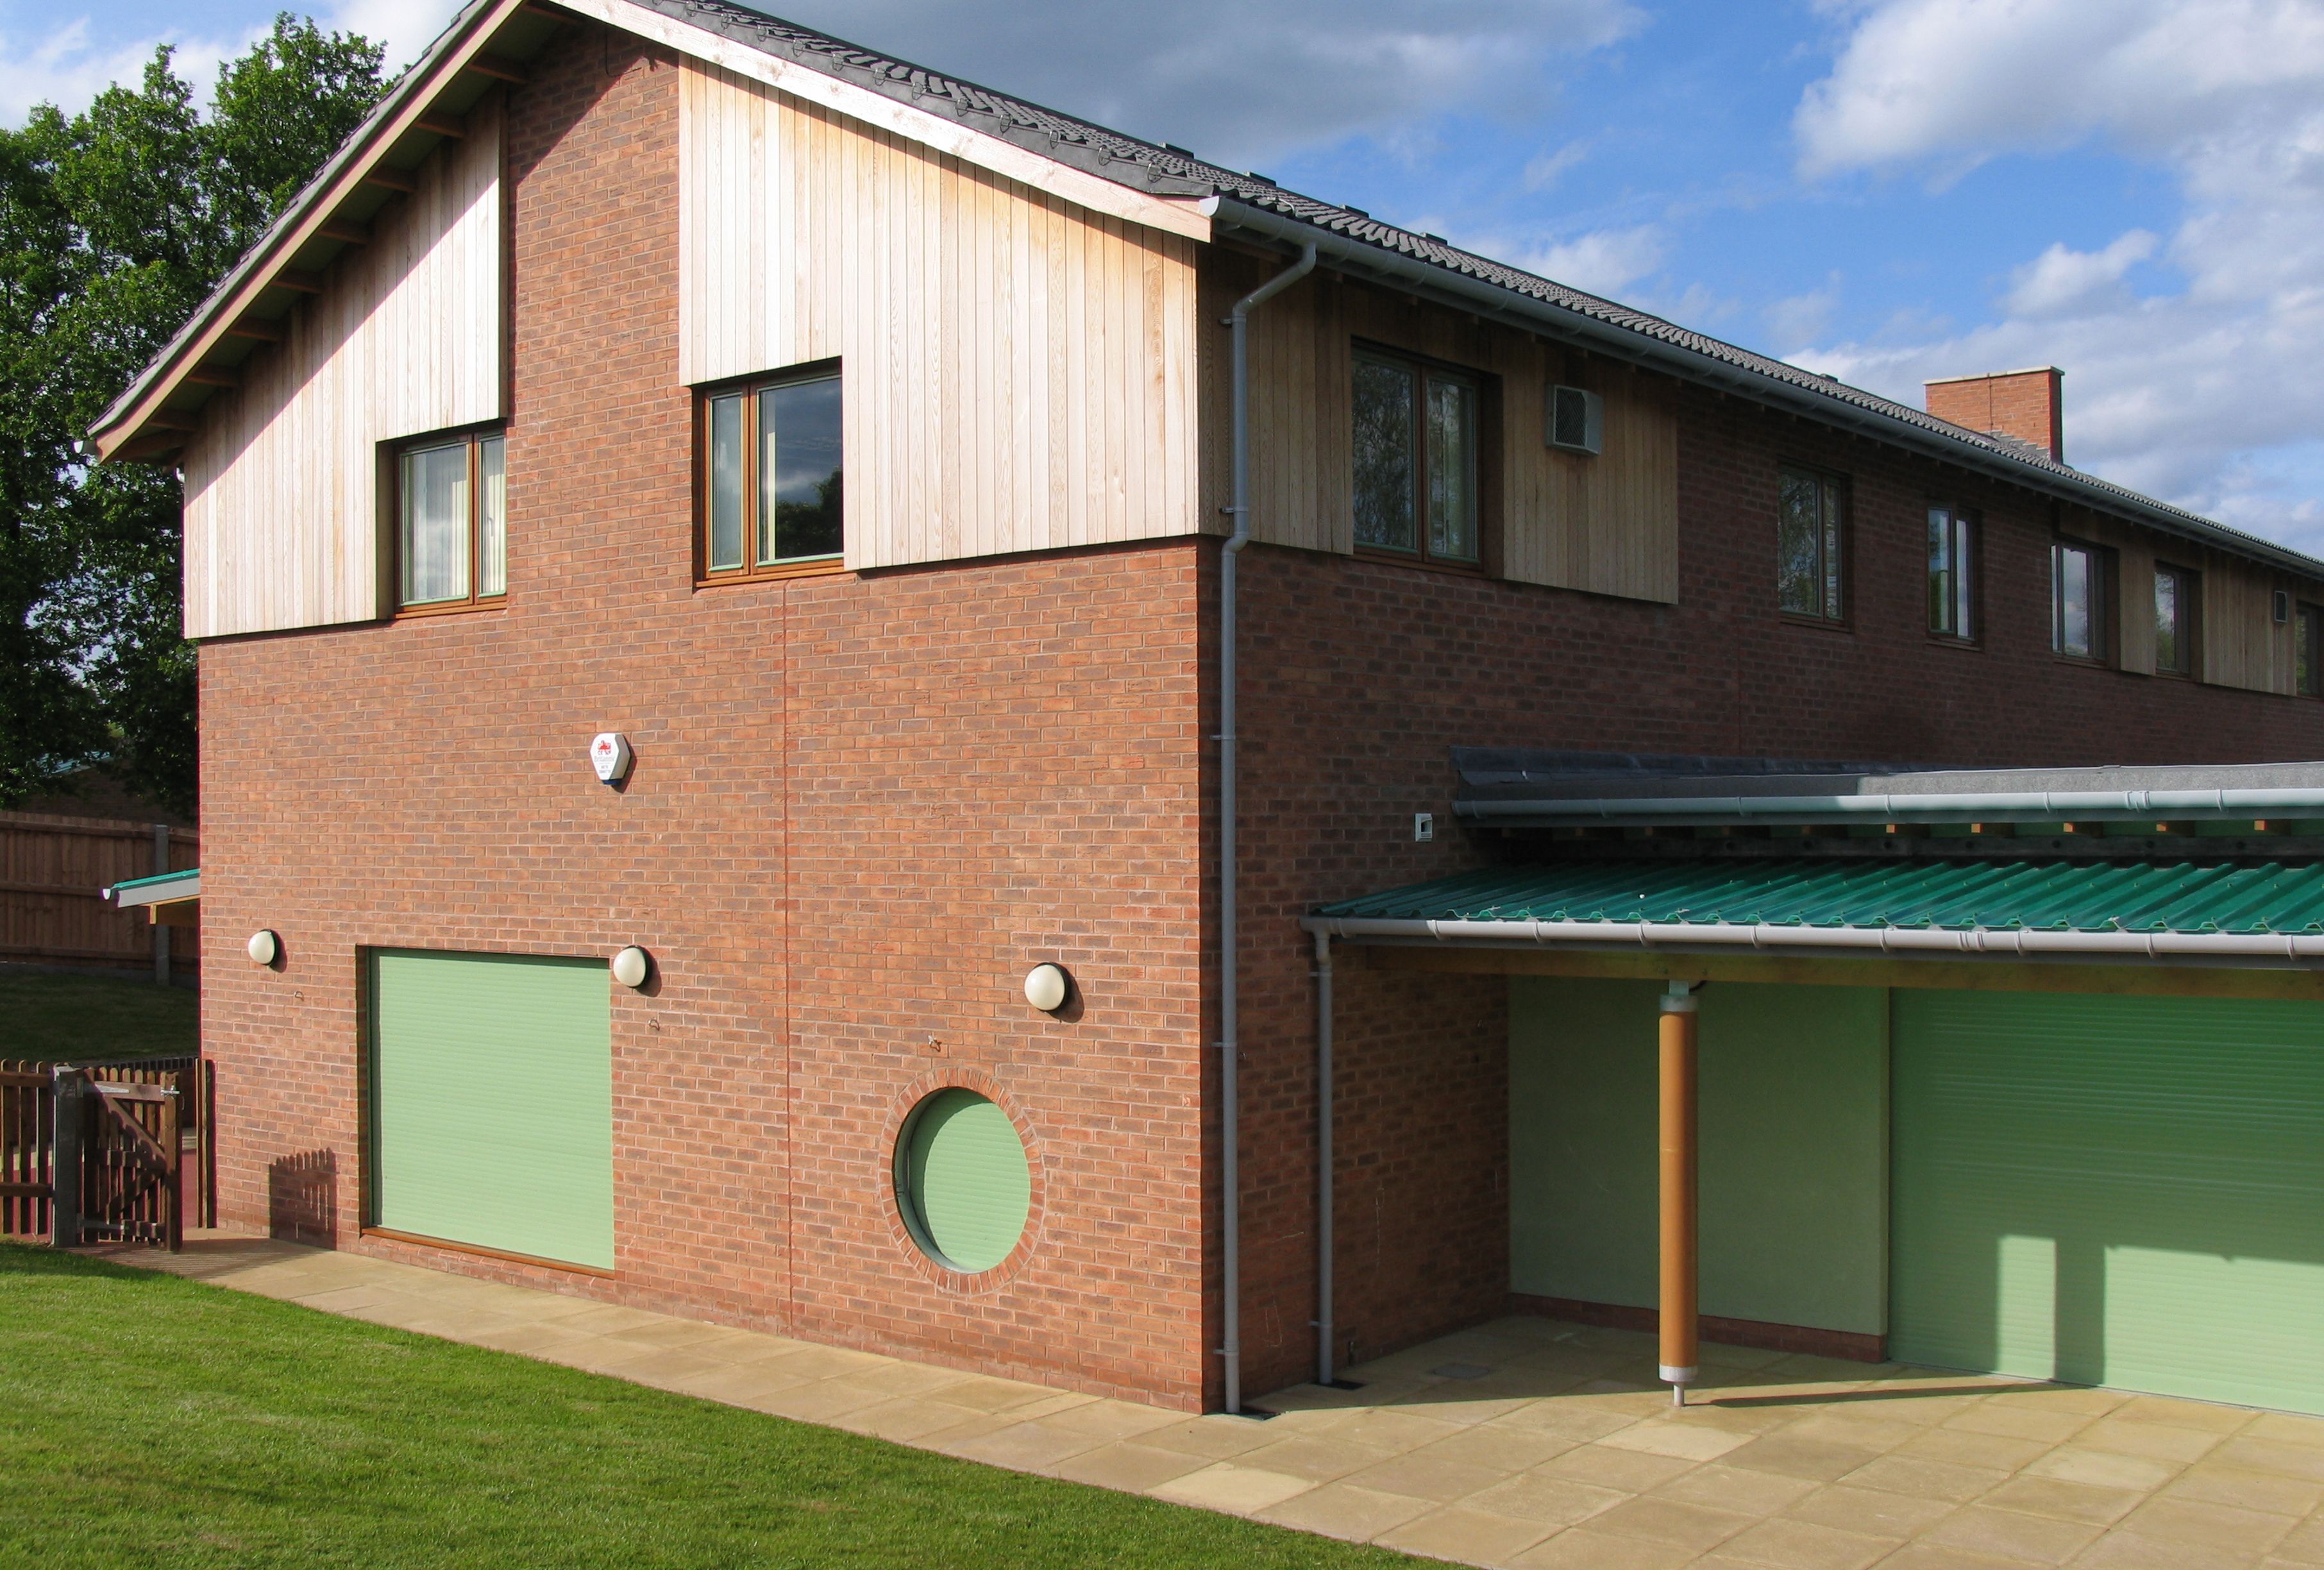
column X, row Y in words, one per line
column 1046, row 988
column 263, row 948
column 630, row 966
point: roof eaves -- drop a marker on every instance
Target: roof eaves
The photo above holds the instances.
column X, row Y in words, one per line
column 368, row 143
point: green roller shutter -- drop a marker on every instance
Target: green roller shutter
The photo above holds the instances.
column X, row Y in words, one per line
column 964, row 1179
column 2120, row 1191
column 492, row 1103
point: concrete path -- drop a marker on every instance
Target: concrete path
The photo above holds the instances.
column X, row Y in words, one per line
column 1525, row 1442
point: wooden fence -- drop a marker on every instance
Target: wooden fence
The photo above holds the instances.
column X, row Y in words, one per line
column 138, row 1160
column 53, row 874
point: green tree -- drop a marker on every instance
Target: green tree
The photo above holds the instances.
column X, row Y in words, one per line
column 115, row 224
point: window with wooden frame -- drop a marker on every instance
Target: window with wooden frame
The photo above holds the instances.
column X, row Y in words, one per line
column 2080, row 575
column 2176, row 590
column 1812, row 545
column 451, row 536
column 770, row 483
column 1952, row 574
column 2308, row 651
column 1419, row 472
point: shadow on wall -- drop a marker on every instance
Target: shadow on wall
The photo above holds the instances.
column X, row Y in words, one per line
column 302, row 1198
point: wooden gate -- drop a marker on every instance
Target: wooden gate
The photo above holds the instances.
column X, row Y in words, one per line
column 108, row 1152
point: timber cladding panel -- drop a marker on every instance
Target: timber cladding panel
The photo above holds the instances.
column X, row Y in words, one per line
column 1018, row 370
column 1606, row 525
column 861, row 807
column 283, row 492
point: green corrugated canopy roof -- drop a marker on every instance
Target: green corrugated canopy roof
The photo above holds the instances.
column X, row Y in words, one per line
column 2267, row 897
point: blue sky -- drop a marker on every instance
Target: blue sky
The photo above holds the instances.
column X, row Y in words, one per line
column 1886, row 189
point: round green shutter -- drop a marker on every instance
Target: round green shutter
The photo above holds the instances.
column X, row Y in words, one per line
column 963, row 1180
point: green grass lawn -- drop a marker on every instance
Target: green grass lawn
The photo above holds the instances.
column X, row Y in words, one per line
column 83, row 1017
column 148, row 1420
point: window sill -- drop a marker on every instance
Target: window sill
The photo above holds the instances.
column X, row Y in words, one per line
column 2087, row 661
column 450, row 608
column 822, row 566
column 1821, row 624
column 1947, row 641
column 1425, row 564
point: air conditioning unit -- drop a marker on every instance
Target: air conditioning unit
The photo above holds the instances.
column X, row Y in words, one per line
column 2283, row 606
column 1577, row 421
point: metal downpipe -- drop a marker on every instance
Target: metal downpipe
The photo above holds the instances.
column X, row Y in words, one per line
column 1229, row 1023
column 1323, row 1174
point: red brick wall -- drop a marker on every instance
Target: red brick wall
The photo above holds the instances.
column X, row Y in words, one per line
column 1359, row 675
column 861, row 807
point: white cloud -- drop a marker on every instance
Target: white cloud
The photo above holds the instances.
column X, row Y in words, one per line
column 2200, row 386
column 1801, row 318
column 1548, row 166
column 1601, row 262
column 2064, row 282
column 1243, row 83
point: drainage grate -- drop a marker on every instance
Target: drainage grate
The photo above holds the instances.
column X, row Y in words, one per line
column 1460, row 1371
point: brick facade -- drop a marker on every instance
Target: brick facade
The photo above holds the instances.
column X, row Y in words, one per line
column 865, row 804
column 861, row 807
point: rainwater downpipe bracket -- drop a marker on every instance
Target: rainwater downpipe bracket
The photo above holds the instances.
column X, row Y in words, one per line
column 1237, row 323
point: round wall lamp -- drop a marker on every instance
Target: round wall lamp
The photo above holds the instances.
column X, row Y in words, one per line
column 263, row 948
column 630, row 966
column 1046, row 988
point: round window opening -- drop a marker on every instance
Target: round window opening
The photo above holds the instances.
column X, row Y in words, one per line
column 963, row 1181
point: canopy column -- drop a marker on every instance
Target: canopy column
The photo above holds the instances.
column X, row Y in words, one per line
column 1680, row 1252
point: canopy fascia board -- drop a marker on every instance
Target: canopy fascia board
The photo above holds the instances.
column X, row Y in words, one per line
column 1478, row 297
column 163, row 888
column 1927, row 807
column 2290, row 951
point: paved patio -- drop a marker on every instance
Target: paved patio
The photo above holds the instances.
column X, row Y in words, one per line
column 1525, row 1442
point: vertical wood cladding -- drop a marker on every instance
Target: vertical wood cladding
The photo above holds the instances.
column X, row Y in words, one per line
column 1018, row 371
column 861, row 807
column 1608, row 524
column 283, row 523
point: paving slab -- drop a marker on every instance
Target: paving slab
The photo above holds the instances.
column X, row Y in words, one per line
column 1523, row 1443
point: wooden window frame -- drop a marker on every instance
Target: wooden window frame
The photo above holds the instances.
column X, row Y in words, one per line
column 1971, row 521
column 753, row 571
column 1487, row 388
column 2191, row 623
column 2103, row 596
column 1845, row 621
column 474, row 437
column 2310, row 615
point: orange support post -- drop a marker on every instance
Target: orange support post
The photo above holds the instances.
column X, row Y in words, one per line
column 1680, row 1308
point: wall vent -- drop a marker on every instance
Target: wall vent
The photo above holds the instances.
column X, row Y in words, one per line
column 1577, row 421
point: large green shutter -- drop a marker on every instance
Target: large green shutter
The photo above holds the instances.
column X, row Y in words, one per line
column 492, row 1103
column 2122, row 1191
column 964, row 1179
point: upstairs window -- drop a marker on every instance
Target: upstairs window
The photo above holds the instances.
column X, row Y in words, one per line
column 2077, row 602
column 1953, row 573
column 1416, row 460
column 1810, row 532
column 2308, row 652
column 770, row 479
column 451, row 529
column 2175, row 590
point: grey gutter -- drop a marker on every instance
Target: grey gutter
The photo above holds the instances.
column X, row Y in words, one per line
column 2268, row 951
column 1475, row 294
column 1919, row 806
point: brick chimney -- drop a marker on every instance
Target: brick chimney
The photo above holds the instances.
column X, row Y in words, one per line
column 2023, row 404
